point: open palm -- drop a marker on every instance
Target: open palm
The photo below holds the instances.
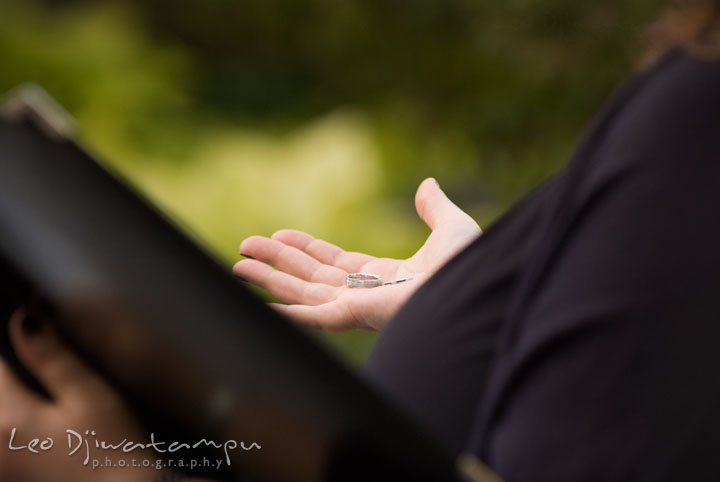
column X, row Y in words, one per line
column 310, row 273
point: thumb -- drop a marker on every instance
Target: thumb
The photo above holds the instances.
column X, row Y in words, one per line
column 434, row 207
column 55, row 366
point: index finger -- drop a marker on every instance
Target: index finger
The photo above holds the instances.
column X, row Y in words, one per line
column 291, row 260
column 323, row 251
column 14, row 395
column 55, row 366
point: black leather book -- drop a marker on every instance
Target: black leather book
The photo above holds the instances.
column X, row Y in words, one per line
column 197, row 355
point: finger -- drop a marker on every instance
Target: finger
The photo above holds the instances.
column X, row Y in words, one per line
column 285, row 286
column 323, row 251
column 14, row 395
column 38, row 347
column 291, row 260
column 434, row 207
column 330, row 316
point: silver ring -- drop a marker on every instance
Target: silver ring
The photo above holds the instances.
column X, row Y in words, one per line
column 363, row 280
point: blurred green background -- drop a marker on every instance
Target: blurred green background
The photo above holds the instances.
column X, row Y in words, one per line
column 243, row 117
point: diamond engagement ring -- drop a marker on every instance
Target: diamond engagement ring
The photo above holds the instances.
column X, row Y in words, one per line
column 368, row 280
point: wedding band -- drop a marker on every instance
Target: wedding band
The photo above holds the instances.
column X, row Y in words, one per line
column 363, row 280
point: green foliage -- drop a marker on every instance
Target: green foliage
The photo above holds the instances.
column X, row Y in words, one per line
column 245, row 116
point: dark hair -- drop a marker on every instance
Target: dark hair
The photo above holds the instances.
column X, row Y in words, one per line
column 693, row 25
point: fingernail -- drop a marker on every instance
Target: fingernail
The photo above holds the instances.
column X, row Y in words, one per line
column 436, row 183
column 246, row 255
column 31, row 325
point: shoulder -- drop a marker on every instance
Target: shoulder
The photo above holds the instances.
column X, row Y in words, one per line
column 662, row 125
column 675, row 107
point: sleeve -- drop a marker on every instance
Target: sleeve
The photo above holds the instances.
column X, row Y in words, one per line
column 612, row 373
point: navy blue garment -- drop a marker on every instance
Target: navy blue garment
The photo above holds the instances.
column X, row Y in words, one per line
column 578, row 339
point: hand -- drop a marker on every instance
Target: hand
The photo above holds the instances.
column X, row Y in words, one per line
column 80, row 401
column 310, row 273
